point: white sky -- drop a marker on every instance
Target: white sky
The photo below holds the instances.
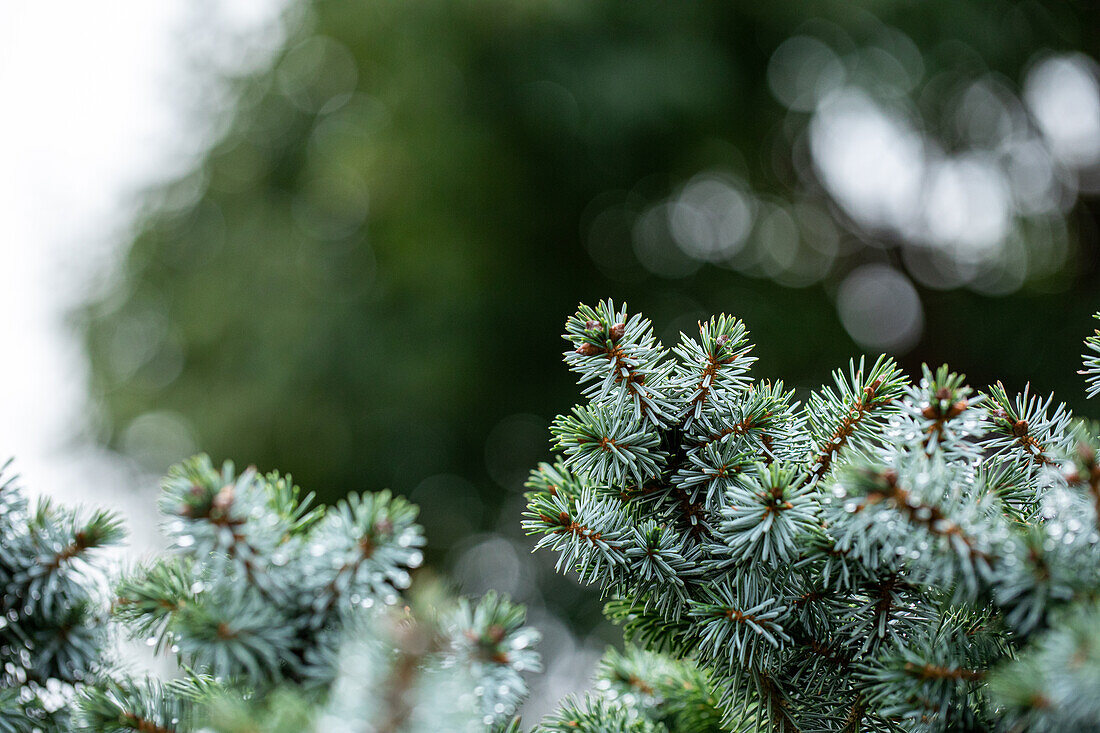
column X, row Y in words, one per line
column 93, row 110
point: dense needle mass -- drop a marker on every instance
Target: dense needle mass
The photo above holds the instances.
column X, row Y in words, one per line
column 889, row 556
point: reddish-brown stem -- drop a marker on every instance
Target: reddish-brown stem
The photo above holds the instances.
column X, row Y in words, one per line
column 844, row 431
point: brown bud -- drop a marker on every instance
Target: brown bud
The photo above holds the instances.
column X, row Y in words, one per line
column 943, row 393
column 929, row 412
column 588, row 349
column 617, row 331
column 1019, row 428
column 366, row 545
column 223, row 499
column 721, row 340
column 890, row 476
column 870, row 389
column 1087, row 454
column 592, row 325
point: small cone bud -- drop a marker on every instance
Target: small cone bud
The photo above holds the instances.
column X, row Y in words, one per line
column 587, row 349
column 617, row 331
column 224, row 498
column 592, row 325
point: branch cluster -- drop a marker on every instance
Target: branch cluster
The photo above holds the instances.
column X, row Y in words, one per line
column 892, row 555
column 282, row 617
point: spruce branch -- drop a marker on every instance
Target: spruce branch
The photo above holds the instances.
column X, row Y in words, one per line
column 941, row 415
column 1027, row 429
column 1082, row 472
column 1091, row 361
column 709, row 469
column 712, row 366
column 1012, row 486
column 740, row 623
column 622, row 360
column 588, row 532
column 1052, row 686
column 764, row 515
column 18, row 715
column 372, row 542
column 652, row 629
column 853, row 411
column 596, row 715
column 147, row 599
column 598, row 442
column 554, row 478
column 52, row 635
column 489, row 638
column 889, row 556
column 676, row 694
column 138, row 705
column 882, row 488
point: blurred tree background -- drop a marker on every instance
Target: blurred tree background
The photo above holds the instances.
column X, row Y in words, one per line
column 363, row 281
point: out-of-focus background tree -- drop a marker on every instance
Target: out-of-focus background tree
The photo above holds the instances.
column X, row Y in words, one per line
column 361, row 281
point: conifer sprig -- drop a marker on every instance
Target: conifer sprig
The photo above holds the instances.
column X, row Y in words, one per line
column 622, row 360
column 1091, row 360
column 715, row 363
column 52, row 632
column 853, row 412
column 1030, row 430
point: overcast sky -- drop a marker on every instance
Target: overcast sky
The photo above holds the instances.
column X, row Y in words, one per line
column 98, row 103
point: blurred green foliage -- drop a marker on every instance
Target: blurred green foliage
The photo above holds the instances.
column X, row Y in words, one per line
column 367, row 274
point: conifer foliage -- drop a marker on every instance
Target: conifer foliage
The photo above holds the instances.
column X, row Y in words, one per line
column 282, row 616
column 889, row 556
column 51, row 611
